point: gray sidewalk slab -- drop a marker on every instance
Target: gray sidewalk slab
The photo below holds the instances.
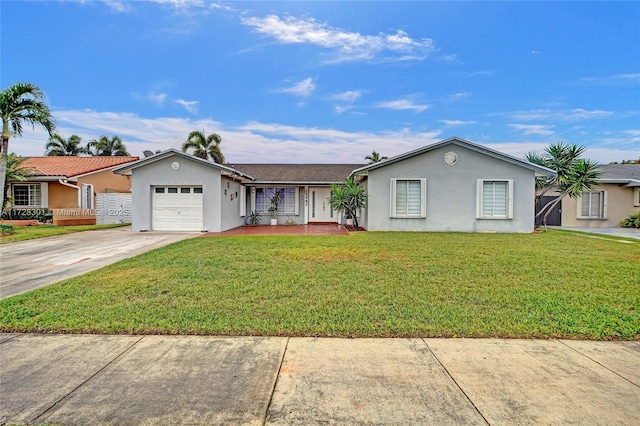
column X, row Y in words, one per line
column 165, row 380
column 366, row 381
column 539, row 382
column 37, row 371
column 620, row 357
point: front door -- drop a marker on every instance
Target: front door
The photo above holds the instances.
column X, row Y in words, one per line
column 319, row 208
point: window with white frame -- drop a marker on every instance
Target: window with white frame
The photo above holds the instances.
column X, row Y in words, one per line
column 592, row 205
column 494, row 199
column 288, row 203
column 408, row 198
column 27, row 195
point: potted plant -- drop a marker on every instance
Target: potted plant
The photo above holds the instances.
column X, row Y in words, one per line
column 275, row 199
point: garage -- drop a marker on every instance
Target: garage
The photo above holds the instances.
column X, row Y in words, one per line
column 177, row 208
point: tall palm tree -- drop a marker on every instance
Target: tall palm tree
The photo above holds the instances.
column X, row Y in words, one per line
column 374, row 157
column 21, row 103
column 16, row 172
column 59, row 146
column 106, row 147
column 574, row 175
column 204, row 147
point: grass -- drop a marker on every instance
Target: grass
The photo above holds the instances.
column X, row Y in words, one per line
column 555, row 284
column 23, row 233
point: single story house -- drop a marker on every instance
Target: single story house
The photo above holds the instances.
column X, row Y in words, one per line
column 452, row 185
column 67, row 185
column 614, row 199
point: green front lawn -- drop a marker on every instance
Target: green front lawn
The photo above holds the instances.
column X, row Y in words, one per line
column 555, row 284
column 32, row 232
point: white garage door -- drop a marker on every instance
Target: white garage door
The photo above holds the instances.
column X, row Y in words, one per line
column 177, row 208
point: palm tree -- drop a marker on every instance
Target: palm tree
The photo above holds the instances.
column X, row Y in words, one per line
column 204, row 147
column 16, row 172
column 374, row 157
column 21, row 103
column 58, row 146
column 105, row 147
column 349, row 197
column 574, row 175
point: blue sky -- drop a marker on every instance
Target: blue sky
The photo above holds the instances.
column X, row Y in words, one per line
column 315, row 82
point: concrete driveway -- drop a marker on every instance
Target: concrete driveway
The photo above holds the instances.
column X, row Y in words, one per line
column 27, row 265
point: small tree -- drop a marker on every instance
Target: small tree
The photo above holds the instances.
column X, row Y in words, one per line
column 275, row 200
column 574, row 175
column 16, row 172
column 349, row 198
column 375, row 157
column 59, row 146
column 106, row 147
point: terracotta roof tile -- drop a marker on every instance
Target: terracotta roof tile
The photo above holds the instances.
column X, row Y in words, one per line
column 71, row 166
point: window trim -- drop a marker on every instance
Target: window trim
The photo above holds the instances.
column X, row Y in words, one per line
column 296, row 200
column 636, row 197
column 44, row 194
column 423, row 199
column 479, row 200
column 602, row 208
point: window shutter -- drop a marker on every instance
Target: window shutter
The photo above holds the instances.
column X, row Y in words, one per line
column 423, row 198
column 44, row 194
column 510, row 190
column 392, row 198
column 296, row 209
column 604, row 204
column 243, row 200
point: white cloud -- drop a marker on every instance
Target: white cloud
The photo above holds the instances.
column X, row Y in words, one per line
column 340, row 109
column 153, row 97
column 302, row 88
column 576, row 114
column 402, row 104
column 533, row 129
column 613, row 80
column 191, row 106
column 265, row 142
column 346, row 46
column 456, row 122
column 348, row 96
column 457, row 96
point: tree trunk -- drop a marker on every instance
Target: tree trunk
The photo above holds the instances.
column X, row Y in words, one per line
column 553, row 204
column 3, row 169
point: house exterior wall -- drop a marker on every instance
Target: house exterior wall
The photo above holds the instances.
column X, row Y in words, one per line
column 451, row 193
column 619, row 207
column 106, row 180
column 230, row 203
column 190, row 173
column 62, row 197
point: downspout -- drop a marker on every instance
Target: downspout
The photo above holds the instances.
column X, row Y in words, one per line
column 61, row 182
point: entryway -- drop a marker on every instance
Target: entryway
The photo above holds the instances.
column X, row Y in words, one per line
column 319, row 209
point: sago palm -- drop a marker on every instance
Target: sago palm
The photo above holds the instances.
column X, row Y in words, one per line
column 204, row 147
column 19, row 104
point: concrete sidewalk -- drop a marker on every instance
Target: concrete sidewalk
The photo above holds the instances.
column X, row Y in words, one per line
column 137, row 380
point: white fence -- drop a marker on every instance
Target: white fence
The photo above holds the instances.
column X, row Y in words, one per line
column 113, row 207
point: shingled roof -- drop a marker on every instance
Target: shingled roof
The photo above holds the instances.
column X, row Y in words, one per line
column 620, row 171
column 297, row 173
column 69, row 167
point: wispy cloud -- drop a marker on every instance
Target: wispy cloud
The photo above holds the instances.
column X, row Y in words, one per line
column 452, row 123
column 346, row 46
column 253, row 142
column 402, row 104
column 457, row 96
column 340, row 109
column 613, row 80
column 303, row 88
column 118, row 5
column 153, row 97
column 576, row 114
column 348, row 96
column 533, row 129
column 190, row 106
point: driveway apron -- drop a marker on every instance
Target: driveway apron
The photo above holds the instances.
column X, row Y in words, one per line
column 28, row 265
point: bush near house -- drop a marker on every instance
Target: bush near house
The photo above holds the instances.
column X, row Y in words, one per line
column 632, row 221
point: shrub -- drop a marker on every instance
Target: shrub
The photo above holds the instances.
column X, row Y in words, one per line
column 7, row 229
column 632, row 221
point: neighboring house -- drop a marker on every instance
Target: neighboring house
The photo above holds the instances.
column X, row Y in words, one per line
column 615, row 198
column 452, row 185
column 68, row 186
